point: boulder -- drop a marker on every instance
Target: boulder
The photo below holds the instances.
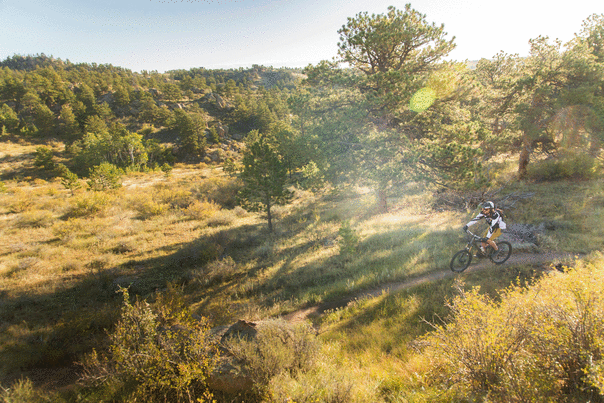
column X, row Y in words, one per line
column 231, row 376
column 222, row 130
column 242, row 329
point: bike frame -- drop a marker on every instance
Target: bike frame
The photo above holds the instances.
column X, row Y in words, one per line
column 475, row 240
column 462, row 259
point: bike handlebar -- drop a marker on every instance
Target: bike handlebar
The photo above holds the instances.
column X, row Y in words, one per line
column 482, row 239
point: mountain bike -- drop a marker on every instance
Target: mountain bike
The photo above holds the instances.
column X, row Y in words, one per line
column 462, row 259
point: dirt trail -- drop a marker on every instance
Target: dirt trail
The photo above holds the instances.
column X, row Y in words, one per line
column 57, row 379
column 543, row 259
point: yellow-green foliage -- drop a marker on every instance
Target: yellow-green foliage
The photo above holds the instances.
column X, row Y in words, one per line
column 161, row 199
column 348, row 239
column 278, row 348
column 89, row 203
column 328, row 381
column 220, row 190
column 156, row 354
column 35, row 219
column 147, row 207
column 579, row 166
column 173, row 196
column 539, row 343
column 23, row 391
column 201, row 210
column 215, row 271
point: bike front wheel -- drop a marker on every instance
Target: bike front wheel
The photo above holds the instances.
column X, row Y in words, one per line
column 502, row 254
column 461, row 260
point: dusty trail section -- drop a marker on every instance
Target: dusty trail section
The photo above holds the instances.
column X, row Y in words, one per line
column 544, row 260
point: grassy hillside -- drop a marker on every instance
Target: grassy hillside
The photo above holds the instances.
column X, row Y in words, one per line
column 64, row 256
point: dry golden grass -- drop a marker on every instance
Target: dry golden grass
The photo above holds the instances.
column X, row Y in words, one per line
column 63, row 257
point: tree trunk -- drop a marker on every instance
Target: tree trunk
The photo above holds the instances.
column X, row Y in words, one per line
column 382, row 200
column 269, row 215
column 595, row 145
column 523, row 161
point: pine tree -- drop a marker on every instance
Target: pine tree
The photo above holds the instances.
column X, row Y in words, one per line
column 264, row 178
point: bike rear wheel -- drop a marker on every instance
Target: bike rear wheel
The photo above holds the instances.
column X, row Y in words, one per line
column 502, row 254
column 461, row 260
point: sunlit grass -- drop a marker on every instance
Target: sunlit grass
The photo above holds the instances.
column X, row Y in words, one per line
column 62, row 258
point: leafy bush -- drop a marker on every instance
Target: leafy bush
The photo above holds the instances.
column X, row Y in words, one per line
column 348, row 240
column 68, row 179
column 105, row 176
column 541, row 343
column 166, row 169
column 23, row 391
column 569, row 166
column 222, row 218
column 44, row 158
column 219, row 190
column 201, row 209
column 278, row 348
column 313, row 177
column 218, row 270
column 175, row 198
column 35, row 219
column 89, row 204
column 155, row 354
column 147, row 207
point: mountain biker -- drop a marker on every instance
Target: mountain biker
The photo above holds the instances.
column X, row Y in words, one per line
column 495, row 221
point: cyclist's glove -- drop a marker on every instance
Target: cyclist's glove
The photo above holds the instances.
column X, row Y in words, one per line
column 465, row 228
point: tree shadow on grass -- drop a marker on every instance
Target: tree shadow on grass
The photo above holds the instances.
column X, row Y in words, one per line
column 54, row 329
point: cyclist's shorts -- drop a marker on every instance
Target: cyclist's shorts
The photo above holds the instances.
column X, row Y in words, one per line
column 492, row 235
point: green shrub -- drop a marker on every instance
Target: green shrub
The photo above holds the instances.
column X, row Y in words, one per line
column 105, row 176
column 216, row 271
column 44, row 158
column 220, row 190
column 569, row 166
column 89, row 204
column 348, row 240
column 166, row 169
column 148, row 208
column 278, row 348
column 23, row 391
column 313, row 177
column 68, row 179
column 35, row 219
column 201, row 210
column 155, row 354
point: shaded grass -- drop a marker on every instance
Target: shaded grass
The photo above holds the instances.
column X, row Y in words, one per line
column 59, row 271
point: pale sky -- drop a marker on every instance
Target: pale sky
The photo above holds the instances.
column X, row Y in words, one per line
column 174, row 34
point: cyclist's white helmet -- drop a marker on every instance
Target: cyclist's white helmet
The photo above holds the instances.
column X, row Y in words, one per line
column 488, row 204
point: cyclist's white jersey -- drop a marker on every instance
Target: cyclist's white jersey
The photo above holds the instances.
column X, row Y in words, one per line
column 494, row 220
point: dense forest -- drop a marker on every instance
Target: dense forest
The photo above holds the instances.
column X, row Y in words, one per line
column 364, row 167
column 396, row 112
